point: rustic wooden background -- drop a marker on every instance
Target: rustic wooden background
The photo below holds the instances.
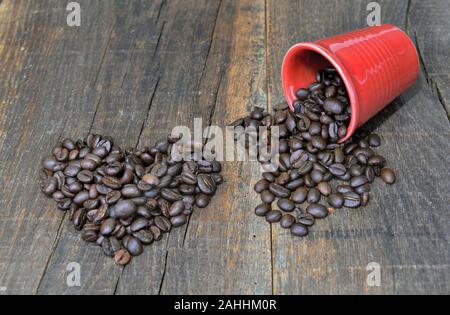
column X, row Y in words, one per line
column 135, row 69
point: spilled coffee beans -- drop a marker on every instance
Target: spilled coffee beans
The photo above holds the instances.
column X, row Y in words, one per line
column 314, row 166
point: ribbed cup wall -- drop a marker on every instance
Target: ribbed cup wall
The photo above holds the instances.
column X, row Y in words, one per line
column 381, row 61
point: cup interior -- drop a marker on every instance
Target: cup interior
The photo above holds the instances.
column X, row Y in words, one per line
column 299, row 69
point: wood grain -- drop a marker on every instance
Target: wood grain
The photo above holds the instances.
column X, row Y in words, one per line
column 194, row 256
column 197, row 264
column 184, row 47
column 47, row 68
column 405, row 227
column 136, row 69
column 428, row 24
column 124, row 88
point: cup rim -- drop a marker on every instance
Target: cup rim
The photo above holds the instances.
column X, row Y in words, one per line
column 345, row 76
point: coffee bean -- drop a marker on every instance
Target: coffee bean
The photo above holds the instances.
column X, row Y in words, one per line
column 324, row 188
column 108, row 226
column 363, row 189
column 299, row 195
column 299, row 230
column 302, row 94
column 376, row 160
column 64, row 204
column 318, row 142
column 168, row 181
column 370, row 174
column 127, row 177
column 178, row 220
column 202, row 200
column 49, row 186
column 316, row 176
column 187, row 189
column 262, row 209
column 269, row 177
column 358, row 181
column 206, row 184
column 351, row 200
column 365, row 199
column 306, row 219
column 344, row 189
column 388, row 176
column 134, row 246
column 261, row 185
column 356, row 170
column 339, row 155
column 122, row 257
column 336, row 200
column 287, row 221
column 333, row 130
column 85, row 176
column 267, row 197
column 314, row 130
column 374, row 140
column 145, row 236
column 81, row 197
column 79, row 219
column 313, row 196
column 107, row 248
column 130, row 191
column 176, row 208
column 331, row 91
column 273, row 216
column 91, row 204
column 170, row 195
column 112, row 182
column 151, row 179
column 294, row 184
column 112, row 197
column 333, row 106
column 88, row 164
column 159, row 170
column 124, row 209
column 298, row 158
column 337, row 169
column 317, row 210
column 163, row 224
column 157, row 233
column 286, row 205
column 139, row 224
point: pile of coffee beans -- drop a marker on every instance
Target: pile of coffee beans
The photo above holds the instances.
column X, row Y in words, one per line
column 316, row 174
column 122, row 200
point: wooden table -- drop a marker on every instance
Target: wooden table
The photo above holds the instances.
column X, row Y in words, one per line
column 136, row 69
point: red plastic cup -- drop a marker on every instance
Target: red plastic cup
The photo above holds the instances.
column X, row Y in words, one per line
column 377, row 64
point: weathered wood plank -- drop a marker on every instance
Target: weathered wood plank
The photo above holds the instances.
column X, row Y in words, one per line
column 218, row 254
column 202, row 258
column 136, row 70
column 405, row 227
column 121, row 97
column 183, row 50
column 428, row 24
column 45, row 69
